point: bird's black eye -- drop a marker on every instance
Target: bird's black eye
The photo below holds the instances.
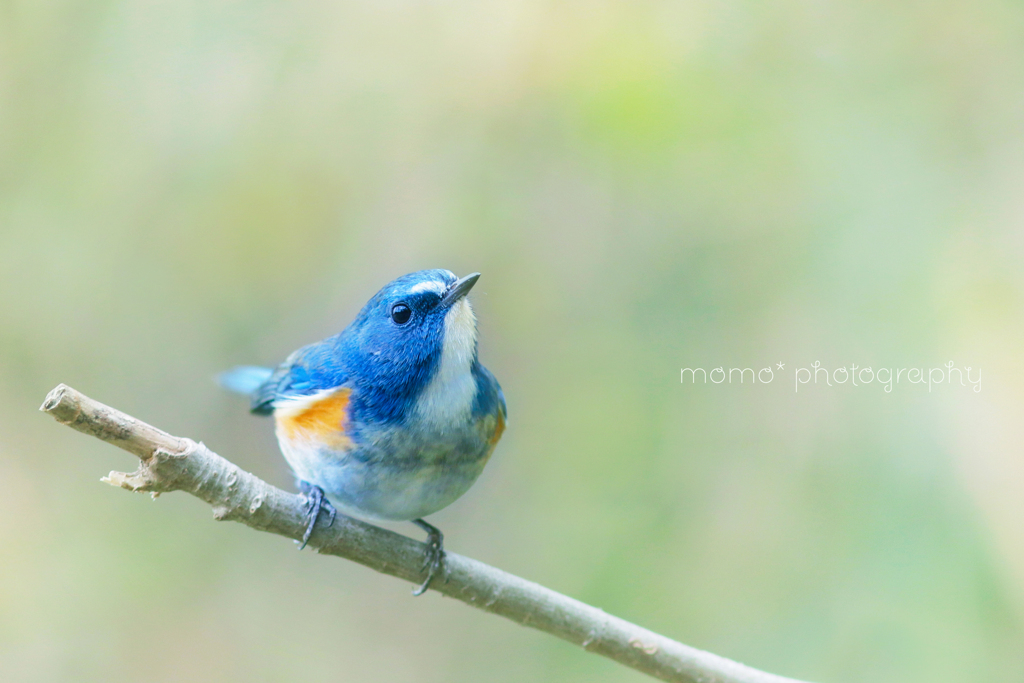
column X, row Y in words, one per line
column 401, row 313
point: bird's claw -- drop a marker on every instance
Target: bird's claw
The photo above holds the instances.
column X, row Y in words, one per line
column 315, row 502
column 433, row 559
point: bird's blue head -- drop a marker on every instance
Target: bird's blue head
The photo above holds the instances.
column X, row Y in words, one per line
column 416, row 333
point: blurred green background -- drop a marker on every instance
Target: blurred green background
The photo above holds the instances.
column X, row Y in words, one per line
column 645, row 186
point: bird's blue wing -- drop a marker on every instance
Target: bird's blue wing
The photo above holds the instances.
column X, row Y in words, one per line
column 307, row 371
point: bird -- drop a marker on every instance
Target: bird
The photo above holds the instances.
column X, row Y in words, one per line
column 394, row 417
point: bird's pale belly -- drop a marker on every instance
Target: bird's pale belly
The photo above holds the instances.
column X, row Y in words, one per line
column 394, row 473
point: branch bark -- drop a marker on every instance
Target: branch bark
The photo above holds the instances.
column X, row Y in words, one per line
column 171, row 463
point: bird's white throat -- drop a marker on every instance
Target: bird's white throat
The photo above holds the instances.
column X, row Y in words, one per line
column 448, row 399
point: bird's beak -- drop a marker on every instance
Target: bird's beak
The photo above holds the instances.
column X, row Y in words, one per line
column 459, row 289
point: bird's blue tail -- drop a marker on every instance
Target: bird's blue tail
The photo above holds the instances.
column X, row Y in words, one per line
column 244, row 379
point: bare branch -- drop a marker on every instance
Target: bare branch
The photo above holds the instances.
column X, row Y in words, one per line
column 170, row 463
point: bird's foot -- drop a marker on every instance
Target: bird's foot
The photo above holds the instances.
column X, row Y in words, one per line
column 315, row 502
column 433, row 560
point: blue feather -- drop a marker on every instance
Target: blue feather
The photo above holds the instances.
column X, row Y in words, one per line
column 244, row 379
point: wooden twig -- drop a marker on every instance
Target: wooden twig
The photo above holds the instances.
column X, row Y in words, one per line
column 171, row 463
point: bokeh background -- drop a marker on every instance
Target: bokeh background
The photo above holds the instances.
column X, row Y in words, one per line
column 645, row 186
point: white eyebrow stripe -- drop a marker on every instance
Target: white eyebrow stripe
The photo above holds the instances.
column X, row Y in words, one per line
column 429, row 286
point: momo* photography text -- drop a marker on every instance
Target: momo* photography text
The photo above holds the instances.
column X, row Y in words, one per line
column 852, row 375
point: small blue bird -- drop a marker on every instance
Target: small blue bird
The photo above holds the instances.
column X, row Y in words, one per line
column 393, row 418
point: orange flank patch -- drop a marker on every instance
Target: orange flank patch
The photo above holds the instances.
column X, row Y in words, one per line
column 499, row 429
column 320, row 419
